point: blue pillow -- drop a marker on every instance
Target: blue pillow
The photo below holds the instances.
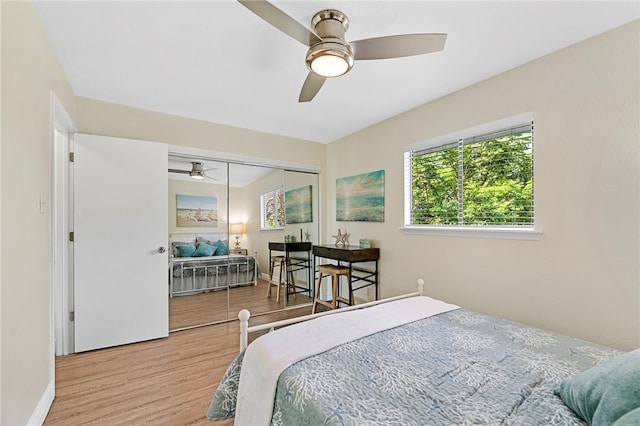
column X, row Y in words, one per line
column 605, row 393
column 186, row 250
column 223, row 248
column 176, row 244
column 204, row 250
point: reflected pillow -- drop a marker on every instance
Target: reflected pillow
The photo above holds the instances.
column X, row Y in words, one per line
column 186, row 250
column 223, row 248
column 176, row 244
column 204, row 250
column 605, row 393
column 201, row 240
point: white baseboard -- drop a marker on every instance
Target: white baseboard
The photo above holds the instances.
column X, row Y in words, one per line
column 42, row 409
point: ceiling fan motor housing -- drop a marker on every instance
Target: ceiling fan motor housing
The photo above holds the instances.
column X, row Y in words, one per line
column 331, row 26
column 330, row 23
column 197, row 170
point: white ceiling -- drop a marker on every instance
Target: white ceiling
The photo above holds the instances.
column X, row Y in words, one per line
column 217, row 61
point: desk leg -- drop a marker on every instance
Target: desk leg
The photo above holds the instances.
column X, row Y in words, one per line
column 375, row 277
column 310, row 281
column 286, row 278
column 313, row 285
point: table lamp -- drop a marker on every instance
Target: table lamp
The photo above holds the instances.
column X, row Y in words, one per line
column 237, row 229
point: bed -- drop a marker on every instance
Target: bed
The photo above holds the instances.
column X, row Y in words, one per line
column 419, row 361
column 202, row 263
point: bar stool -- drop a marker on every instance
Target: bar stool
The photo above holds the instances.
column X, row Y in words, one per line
column 335, row 272
column 284, row 265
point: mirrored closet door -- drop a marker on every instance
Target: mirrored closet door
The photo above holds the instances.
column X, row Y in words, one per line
column 198, row 242
column 266, row 220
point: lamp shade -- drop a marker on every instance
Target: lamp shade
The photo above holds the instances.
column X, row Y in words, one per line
column 329, row 59
column 236, row 228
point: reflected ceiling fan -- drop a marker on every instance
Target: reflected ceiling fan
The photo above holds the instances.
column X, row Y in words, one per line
column 329, row 54
column 197, row 171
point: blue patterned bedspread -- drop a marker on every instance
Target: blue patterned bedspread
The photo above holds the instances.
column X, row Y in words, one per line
column 456, row 368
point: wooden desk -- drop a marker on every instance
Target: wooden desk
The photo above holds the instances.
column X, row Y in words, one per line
column 297, row 263
column 351, row 255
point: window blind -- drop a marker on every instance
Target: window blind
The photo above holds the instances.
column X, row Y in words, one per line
column 479, row 180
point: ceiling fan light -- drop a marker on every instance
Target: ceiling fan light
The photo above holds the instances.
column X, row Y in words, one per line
column 196, row 175
column 329, row 66
column 329, row 59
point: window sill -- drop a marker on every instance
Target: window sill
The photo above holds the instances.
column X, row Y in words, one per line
column 476, row 232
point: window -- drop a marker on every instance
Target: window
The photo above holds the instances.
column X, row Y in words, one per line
column 478, row 180
column 272, row 209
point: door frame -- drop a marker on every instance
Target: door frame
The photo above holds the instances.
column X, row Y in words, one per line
column 60, row 294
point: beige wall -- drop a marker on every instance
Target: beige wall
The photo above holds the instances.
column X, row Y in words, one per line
column 30, row 71
column 582, row 277
column 109, row 119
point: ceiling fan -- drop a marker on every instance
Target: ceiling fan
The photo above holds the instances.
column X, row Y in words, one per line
column 329, row 54
column 197, row 171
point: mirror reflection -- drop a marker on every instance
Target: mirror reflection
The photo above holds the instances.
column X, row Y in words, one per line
column 240, row 237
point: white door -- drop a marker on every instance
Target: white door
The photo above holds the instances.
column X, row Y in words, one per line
column 120, row 233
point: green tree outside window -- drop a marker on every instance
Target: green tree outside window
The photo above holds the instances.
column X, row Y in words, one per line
column 486, row 180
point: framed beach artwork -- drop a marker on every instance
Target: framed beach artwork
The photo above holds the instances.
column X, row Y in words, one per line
column 360, row 198
column 196, row 211
column 298, row 205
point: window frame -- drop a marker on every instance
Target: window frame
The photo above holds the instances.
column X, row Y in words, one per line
column 263, row 210
column 522, row 232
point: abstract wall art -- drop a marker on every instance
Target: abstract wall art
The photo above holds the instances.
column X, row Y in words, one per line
column 360, row 198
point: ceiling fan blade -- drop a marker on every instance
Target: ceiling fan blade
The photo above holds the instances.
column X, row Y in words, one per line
column 179, row 171
column 281, row 21
column 397, row 46
column 311, row 87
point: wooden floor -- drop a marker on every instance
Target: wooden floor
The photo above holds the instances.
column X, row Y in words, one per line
column 162, row 382
column 216, row 306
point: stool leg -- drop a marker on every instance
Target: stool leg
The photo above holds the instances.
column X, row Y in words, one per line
column 335, row 281
column 279, row 280
column 270, row 278
column 317, row 295
column 291, row 281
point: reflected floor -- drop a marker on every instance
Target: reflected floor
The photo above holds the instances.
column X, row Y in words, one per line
column 211, row 307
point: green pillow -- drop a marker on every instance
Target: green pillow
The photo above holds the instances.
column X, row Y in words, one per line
column 632, row 418
column 604, row 393
column 186, row 250
column 204, row 250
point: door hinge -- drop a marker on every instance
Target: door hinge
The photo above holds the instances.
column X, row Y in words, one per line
column 71, row 157
column 71, row 236
column 72, row 316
